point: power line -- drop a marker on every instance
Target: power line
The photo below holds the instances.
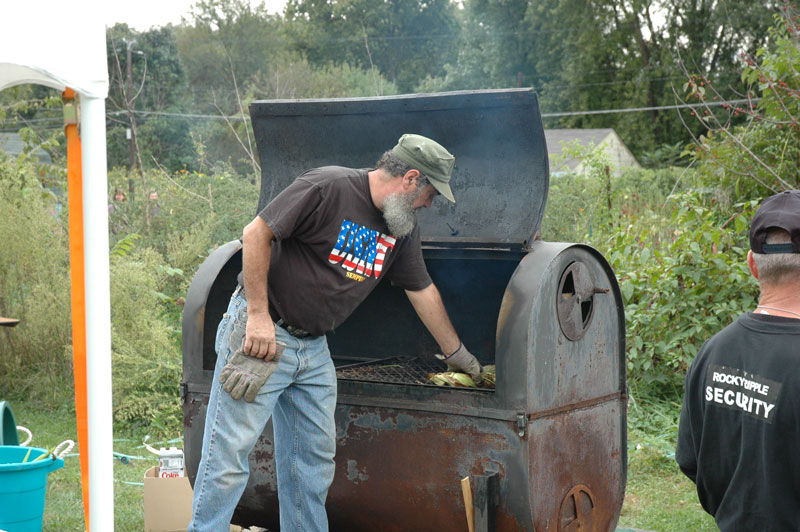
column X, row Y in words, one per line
column 655, row 108
column 246, row 118
column 178, row 115
column 544, row 115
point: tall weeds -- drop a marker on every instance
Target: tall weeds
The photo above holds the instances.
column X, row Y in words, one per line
column 151, row 267
column 34, row 285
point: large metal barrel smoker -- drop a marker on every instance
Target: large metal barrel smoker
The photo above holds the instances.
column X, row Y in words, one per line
column 545, row 449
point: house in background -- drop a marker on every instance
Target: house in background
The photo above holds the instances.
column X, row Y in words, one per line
column 11, row 143
column 606, row 140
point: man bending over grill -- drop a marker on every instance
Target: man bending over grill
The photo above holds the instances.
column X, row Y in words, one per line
column 739, row 427
column 309, row 259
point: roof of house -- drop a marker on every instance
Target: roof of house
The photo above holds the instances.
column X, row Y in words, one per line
column 556, row 138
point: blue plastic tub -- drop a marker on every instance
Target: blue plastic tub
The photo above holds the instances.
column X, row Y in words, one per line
column 22, row 487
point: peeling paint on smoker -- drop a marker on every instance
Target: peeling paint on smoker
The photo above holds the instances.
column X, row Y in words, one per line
column 354, row 474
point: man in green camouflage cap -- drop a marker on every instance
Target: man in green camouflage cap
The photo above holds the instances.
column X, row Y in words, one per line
column 323, row 243
column 430, row 158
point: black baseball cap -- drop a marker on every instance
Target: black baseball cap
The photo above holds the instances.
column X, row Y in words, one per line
column 783, row 211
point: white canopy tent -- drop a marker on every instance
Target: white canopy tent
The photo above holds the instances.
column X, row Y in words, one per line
column 63, row 46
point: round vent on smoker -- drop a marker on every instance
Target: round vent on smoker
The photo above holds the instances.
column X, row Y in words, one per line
column 575, row 305
column 576, row 513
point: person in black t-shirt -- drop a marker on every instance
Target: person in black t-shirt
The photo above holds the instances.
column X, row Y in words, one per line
column 309, row 259
column 740, row 419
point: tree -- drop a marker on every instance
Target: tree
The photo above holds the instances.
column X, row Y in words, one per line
column 225, row 44
column 584, row 55
column 156, row 85
column 404, row 41
column 753, row 147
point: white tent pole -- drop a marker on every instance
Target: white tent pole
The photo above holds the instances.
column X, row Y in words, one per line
column 98, row 314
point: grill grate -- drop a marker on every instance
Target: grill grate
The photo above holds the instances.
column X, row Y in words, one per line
column 395, row 370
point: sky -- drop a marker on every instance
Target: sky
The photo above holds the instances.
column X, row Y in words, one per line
column 144, row 14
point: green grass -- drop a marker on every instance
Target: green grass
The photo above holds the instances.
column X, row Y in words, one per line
column 64, row 506
column 658, row 496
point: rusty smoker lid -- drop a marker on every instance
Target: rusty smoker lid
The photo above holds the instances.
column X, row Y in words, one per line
column 501, row 174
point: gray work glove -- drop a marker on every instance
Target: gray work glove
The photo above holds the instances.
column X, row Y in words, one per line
column 244, row 375
column 463, row 361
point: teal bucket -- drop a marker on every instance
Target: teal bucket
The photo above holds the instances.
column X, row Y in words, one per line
column 22, row 487
column 8, row 427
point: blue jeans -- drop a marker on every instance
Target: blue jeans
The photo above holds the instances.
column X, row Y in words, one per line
column 302, row 396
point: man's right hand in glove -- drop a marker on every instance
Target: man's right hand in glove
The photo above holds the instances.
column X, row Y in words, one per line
column 462, row 360
column 244, row 375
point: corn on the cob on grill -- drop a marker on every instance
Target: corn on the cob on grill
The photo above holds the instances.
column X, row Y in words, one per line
column 462, row 380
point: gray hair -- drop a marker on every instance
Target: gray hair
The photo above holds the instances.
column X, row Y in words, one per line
column 777, row 268
column 392, row 164
column 395, row 167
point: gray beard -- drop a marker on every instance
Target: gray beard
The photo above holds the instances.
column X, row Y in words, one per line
column 399, row 215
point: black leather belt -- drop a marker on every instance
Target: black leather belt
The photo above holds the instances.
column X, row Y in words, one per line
column 297, row 332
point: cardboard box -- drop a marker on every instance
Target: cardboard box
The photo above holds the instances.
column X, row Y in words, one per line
column 167, row 502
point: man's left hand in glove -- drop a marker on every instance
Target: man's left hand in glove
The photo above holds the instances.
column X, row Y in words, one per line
column 463, row 361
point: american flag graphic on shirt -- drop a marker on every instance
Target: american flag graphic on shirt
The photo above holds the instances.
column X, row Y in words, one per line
column 360, row 249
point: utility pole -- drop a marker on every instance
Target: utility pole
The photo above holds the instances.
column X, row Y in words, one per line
column 129, row 103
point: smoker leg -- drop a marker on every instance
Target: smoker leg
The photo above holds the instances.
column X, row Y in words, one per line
column 486, row 499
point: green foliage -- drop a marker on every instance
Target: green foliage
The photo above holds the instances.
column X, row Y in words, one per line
column 760, row 154
column 603, row 54
column 225, row 43
column 26, row 101
column 219, row 204
column 124, row 246
column 775, row 71
column 404, row 41
column 34, row 285
column 683, row 278
column 293, row 76
column 157, row 84
column 580, row 205
column 194, row 213
column 153, row 259
column 157, row 245
column 146, row 352
column 679, row 254
column 577, row 55
column 653, row 423
column 665, row 156
column 725, row 162
column 570, row 220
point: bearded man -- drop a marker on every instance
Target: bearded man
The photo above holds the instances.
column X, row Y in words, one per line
column 309, row 259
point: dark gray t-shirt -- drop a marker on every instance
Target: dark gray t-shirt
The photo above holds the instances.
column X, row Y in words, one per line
column 332, row 248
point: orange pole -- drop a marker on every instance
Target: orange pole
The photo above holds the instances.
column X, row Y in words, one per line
column 78, row 293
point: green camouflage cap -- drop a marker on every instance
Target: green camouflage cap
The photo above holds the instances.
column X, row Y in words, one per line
column 430, row 158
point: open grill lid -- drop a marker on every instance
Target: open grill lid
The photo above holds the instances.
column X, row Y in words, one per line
column 501, row 175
